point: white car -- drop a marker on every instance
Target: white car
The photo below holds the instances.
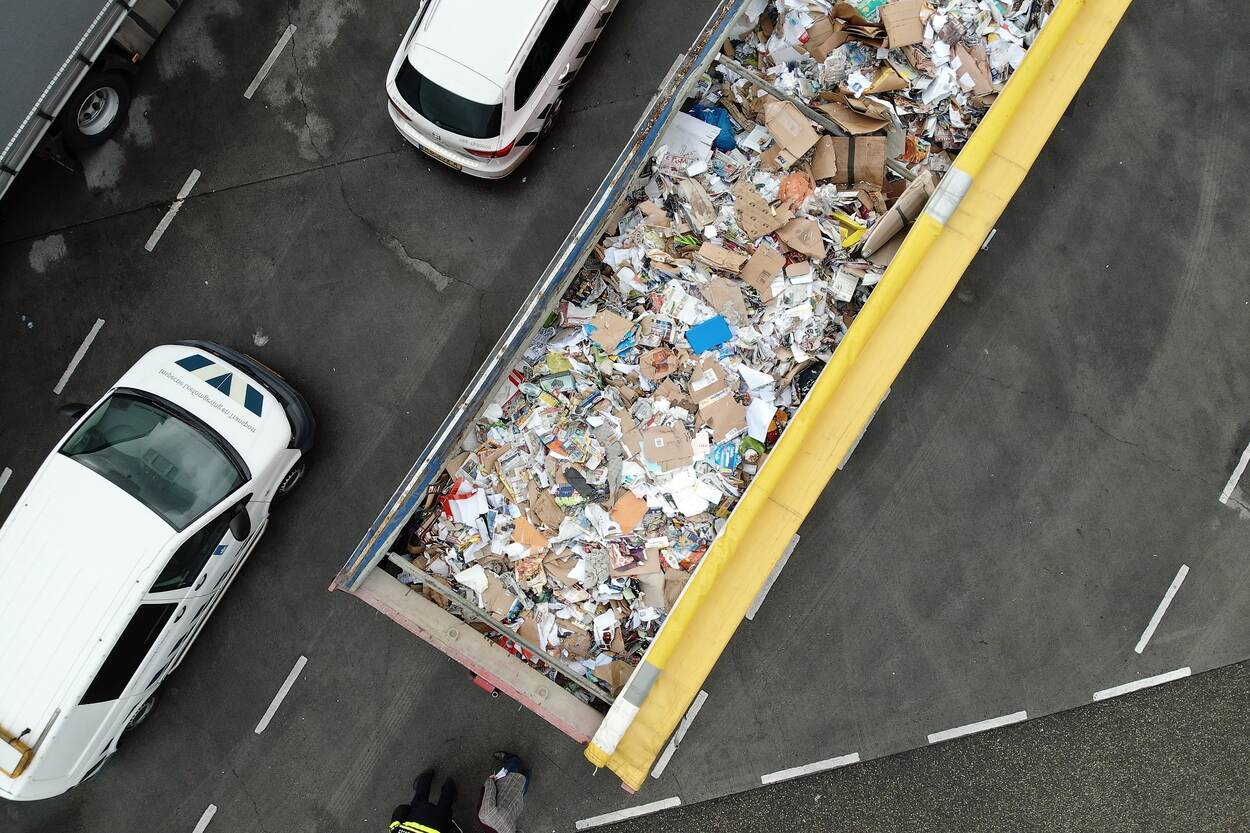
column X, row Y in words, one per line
column 475, row 83
column 122, row 545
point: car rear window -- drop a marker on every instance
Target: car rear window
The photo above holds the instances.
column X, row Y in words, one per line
column 446, row 109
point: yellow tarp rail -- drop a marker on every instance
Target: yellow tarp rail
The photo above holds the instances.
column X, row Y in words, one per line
column 922, row 275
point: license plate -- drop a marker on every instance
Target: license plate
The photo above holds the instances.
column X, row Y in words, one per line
column 453, row 165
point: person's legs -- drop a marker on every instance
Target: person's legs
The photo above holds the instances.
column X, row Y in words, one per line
column 514, row 764
column 447, row 797
column 421, row 787
column 401, row 813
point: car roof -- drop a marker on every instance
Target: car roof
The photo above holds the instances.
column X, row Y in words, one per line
column 484, row 36
column 76, row 554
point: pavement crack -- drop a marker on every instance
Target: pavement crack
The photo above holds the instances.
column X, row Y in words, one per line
column 300, row 89
column 1139, row 447
column 398, row 248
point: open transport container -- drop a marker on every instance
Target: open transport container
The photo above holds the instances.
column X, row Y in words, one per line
column 625, row 731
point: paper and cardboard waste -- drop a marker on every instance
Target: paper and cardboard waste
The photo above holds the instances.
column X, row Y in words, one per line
column 585, row 494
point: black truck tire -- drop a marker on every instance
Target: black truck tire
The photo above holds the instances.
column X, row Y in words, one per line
column 95, row 110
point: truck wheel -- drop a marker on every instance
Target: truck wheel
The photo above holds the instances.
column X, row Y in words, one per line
column 95, row 110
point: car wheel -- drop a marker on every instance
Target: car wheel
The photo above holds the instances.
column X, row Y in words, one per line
column 551, row 117
column 292, row 478
column 95, row 110
column 140, row 714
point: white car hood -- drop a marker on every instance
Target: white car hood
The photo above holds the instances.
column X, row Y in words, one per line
column 232, row 403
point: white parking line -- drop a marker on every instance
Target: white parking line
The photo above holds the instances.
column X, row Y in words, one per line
column 269, row 62
column 202, row 824
column 629, row 813
column 1237, row 473
column 82, row 351
column 4, row 477
column 281, row 695
column 808, row 769
column 173, row 210
column 682, row 728
column 979, row 726
column 1162, row 608
column 1138, row 685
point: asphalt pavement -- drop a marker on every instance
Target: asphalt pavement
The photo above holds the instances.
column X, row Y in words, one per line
column 994, row 550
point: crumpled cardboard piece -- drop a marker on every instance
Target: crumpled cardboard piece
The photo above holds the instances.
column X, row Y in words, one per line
column 698, row 203
column 708, row 378
column 791, row 129
column 615, row 674
column 903, row 213
column 544, row 507
column 824, row 160
column 856, row 116
column 657, row 364
column 497, row 600
column 720, row 258
column 628, row 511
column 901, row 20
column 668, row 447
column 726, row 416
column 762, row 270
column 674, row 583
column 887, row 81
column 973, row 75
column 822, row 38
column 803, row 235
column 756, row 217
column 860, row 159
column 610, row 328
column 526, row 535
column 726, row 298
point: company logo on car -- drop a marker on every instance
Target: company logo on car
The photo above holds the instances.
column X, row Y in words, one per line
column 224, row 379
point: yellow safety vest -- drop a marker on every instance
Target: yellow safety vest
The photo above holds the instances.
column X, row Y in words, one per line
column 412, row 826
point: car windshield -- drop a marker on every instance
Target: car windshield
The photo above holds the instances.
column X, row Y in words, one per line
column 446, row 109
column 168, row 464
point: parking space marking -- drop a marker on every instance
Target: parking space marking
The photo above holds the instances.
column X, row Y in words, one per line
column 682, row 728
column 82, row 351
column 202, row 824
column 1162, row 608
column 808, row 769
column 183, row 192
column 1237, row 473
column 269, row 62
column 282, row 693
column 979, row 726
column 4, row 477
column 1138, row 685
column 629, row 813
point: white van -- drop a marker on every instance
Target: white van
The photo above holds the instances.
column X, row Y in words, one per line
column 475, row 83
column 122, row 545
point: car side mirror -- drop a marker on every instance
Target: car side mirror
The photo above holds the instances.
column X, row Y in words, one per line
column 73, row 410
column 241, row 523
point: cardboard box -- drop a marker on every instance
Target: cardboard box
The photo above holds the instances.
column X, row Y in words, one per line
column 903, row 213
column 824, row 160
column 860, row 159
column 901, row 20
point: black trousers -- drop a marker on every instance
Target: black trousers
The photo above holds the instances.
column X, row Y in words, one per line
column 425, row 812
